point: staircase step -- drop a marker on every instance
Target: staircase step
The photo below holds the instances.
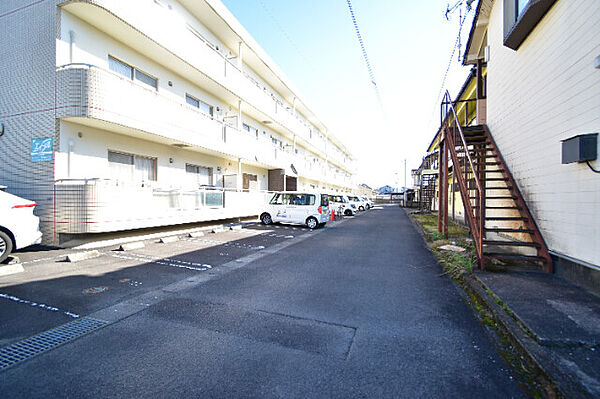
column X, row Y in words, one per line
column 497, row 179
column 514, row 257
column 512, row 243
column 505, row 218
column 498, row 207
column 498, row 198
column 486, row 163
column 507, row 230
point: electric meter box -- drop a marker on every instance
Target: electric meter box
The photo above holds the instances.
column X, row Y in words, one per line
column 580, row 148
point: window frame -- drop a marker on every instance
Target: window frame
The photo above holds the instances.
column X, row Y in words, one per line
column 197, row 172
column 203, row 106
column 134, row 72
column 521, row 20
column 133, row 164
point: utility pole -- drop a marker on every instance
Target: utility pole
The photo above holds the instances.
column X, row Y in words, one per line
column 405, row 195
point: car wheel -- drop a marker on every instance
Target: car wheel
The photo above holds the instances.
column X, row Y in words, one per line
column 348, row 212
column 312, row 223
column 6, row 246
column 361, row 208
column 265, row 218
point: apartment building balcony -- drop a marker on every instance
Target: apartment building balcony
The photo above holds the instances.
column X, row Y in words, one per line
column 103, row 205
column 171, row 42
column 94, row 97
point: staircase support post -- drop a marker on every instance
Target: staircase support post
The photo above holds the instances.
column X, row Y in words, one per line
column 445, row 221
column 440, row 182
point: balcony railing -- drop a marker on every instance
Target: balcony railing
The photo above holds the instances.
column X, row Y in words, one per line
column 186, row 47
column 87, row 91
column 102, row 205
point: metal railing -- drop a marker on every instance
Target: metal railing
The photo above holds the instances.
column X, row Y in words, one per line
column 455, row 143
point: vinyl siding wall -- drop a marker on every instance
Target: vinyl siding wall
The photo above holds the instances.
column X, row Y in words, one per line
column 547, row 91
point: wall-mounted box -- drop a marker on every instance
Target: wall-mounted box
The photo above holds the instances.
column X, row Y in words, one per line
column 580, row 148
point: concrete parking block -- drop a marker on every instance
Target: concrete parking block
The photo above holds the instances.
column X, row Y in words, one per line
column 79, row 256
column 196, row 234
column 11, row 268
column 131, row 246
column 217, row 229
column 165, row 240
column 236, row 227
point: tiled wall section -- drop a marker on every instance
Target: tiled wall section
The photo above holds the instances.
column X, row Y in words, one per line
column 27, row 100
column 543, row 93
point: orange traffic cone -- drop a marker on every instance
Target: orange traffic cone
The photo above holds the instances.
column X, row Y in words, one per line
column 332, row 217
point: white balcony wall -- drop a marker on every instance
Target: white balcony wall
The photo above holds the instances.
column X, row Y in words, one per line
column 169, row 30
column 96, row 206
column 89, row 151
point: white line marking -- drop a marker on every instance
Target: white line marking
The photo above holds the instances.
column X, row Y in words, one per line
column 165, row 261
column 38, row 305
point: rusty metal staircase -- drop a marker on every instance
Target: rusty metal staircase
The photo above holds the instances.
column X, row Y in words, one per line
column 501, row 224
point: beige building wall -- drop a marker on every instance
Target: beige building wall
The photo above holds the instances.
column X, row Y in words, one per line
column 27, row 108
column 547, row 91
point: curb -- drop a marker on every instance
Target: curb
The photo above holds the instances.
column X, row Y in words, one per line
column 79, row 256
column 563, row 385
column 129, row 246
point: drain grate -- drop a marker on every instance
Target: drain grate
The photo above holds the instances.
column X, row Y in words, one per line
column 32, row 346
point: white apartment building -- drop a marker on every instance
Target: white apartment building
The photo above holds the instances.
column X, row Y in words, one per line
column 120, row 114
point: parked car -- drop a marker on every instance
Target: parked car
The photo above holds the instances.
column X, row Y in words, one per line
column 369, row 202
column 311, row 209
column 341, row 204
column 360, row 204
column 19, row 227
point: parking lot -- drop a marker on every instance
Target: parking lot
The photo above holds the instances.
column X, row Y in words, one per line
column 349, row 310
column 52, row 291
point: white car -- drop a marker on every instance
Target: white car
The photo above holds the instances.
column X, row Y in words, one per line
column 370, row 203
column 311, row 209
column 19, row 227
column 341, row 204
column 360, row 204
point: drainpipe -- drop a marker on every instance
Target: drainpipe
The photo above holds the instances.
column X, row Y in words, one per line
column 239, row 118
column 239, row 181
column 71, row 45
column 240, row 61
column 70, row 147
column 294, row 106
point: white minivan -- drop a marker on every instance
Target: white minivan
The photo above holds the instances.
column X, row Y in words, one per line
column 311, row 209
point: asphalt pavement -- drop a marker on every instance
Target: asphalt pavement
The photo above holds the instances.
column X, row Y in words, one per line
column 359, row 308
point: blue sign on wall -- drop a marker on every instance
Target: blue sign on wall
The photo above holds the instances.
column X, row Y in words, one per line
column 42, row 149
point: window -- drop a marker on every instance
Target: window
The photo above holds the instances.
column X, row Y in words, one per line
column 199, row 175
column 250, row 129
column 130, row 72
column 277, row 199
column 130, row 167
column 145, row 78
column 521, row 17
column 120, row 67
column 204, row 107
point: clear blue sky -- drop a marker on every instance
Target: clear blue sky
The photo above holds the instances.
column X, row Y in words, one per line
column 409, row 45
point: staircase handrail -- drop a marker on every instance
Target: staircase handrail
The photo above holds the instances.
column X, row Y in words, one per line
column 462, row 138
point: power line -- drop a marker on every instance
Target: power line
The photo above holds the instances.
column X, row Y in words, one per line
column 283, row 31
column 365, row 56
column 456, row 45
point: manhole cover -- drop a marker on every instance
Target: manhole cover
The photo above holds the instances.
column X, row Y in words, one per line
column 94, row 290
